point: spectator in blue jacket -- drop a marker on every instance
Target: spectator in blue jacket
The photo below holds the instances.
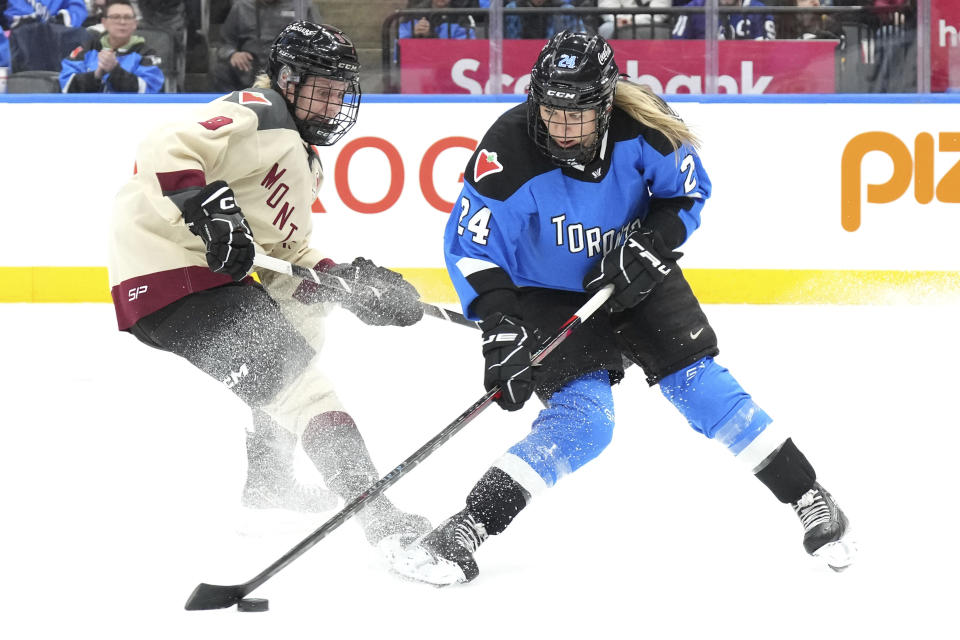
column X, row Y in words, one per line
column 117, row 62
column 539, row 27
column 42, row 31
column 733, row 26
column 4, row 45
column 437, row 25
column 69, row 13
column 4, row 50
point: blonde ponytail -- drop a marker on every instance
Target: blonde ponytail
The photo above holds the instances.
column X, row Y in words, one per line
column 262, row 81
column 644, row 106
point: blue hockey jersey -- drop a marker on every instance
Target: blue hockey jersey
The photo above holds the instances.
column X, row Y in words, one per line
column 521, row 221
column 733, row 26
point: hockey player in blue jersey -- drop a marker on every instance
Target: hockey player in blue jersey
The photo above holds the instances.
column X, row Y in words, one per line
column 733, row 26
column 594, row 180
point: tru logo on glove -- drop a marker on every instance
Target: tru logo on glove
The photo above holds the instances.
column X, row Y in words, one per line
column 643, row 252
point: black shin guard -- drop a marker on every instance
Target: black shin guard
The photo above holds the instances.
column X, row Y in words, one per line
column 787, row 473
column 496, row 500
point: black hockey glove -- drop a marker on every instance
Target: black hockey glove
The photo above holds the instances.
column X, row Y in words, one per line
column 507, row 346
column 634, row 268
column 376, row 295
column 214, row 216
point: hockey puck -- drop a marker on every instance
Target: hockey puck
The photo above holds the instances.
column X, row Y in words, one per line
column 253, row 604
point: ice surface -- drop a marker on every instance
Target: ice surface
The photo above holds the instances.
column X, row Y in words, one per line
column 121, row 486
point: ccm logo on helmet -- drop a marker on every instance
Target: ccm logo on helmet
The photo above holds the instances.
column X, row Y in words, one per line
column 566, row 95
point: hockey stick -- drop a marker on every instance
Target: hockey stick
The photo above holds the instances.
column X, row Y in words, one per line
column 334, row 282
column 211, row 596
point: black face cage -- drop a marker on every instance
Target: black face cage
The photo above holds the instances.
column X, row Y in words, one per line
column 321, row 126
column 574, row 72
column 302, row 51
column 582, row 153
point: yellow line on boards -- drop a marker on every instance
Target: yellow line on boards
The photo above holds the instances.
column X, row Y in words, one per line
column 54, row 284
column 712, row 286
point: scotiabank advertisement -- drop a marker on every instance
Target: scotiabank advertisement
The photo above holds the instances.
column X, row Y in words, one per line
column 667, row 66
column 945, row 45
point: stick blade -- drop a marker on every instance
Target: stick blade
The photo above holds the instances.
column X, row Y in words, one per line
column 213, row 596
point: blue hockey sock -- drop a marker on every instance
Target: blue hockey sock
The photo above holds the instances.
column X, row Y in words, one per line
column 574, row 428
column 715, row 404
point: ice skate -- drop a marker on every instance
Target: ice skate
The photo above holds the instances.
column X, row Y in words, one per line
column 387, row 527
column 825, row 528
column 271, row 479
column 445, row 555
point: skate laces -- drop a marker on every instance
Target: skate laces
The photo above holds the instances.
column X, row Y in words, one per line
column 469, row 533
column 813, row 509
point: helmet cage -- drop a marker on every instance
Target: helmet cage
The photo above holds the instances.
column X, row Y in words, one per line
column 574, row 72
column 303, row 50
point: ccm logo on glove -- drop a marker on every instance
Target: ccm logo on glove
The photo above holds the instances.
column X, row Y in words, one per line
column 214, row 217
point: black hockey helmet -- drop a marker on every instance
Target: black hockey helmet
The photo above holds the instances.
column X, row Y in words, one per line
column 574, row 72
column 304, row 49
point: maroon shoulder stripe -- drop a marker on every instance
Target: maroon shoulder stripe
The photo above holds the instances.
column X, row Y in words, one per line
column 173, row 181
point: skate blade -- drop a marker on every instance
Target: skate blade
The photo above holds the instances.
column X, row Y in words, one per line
column 838, row 555
column 415, row 563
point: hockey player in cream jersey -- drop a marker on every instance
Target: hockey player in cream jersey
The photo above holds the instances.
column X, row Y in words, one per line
column 211, row 190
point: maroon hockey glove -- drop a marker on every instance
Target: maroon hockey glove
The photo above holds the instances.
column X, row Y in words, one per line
column 507, row 346
column 376, row 295
column 634, row 268
column 213, row 216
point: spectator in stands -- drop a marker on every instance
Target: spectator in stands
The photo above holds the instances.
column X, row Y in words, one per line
column 591, row 22
column 733, row 26
column 812, row 26
column 621, row 25
column 94, row 21
column 4, row 52
column 538, row 27
column 4, row 46
column 117, row 62
column 247, row 35
column 42, row 32
column 436, row 25
column 69, row 13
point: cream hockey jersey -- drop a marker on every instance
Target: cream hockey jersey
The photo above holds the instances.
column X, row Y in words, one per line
column 247, row 139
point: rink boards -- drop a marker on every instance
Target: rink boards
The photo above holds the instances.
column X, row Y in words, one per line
column 823, row 199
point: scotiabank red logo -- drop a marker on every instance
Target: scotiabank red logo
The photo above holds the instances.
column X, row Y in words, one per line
column 916, row 167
